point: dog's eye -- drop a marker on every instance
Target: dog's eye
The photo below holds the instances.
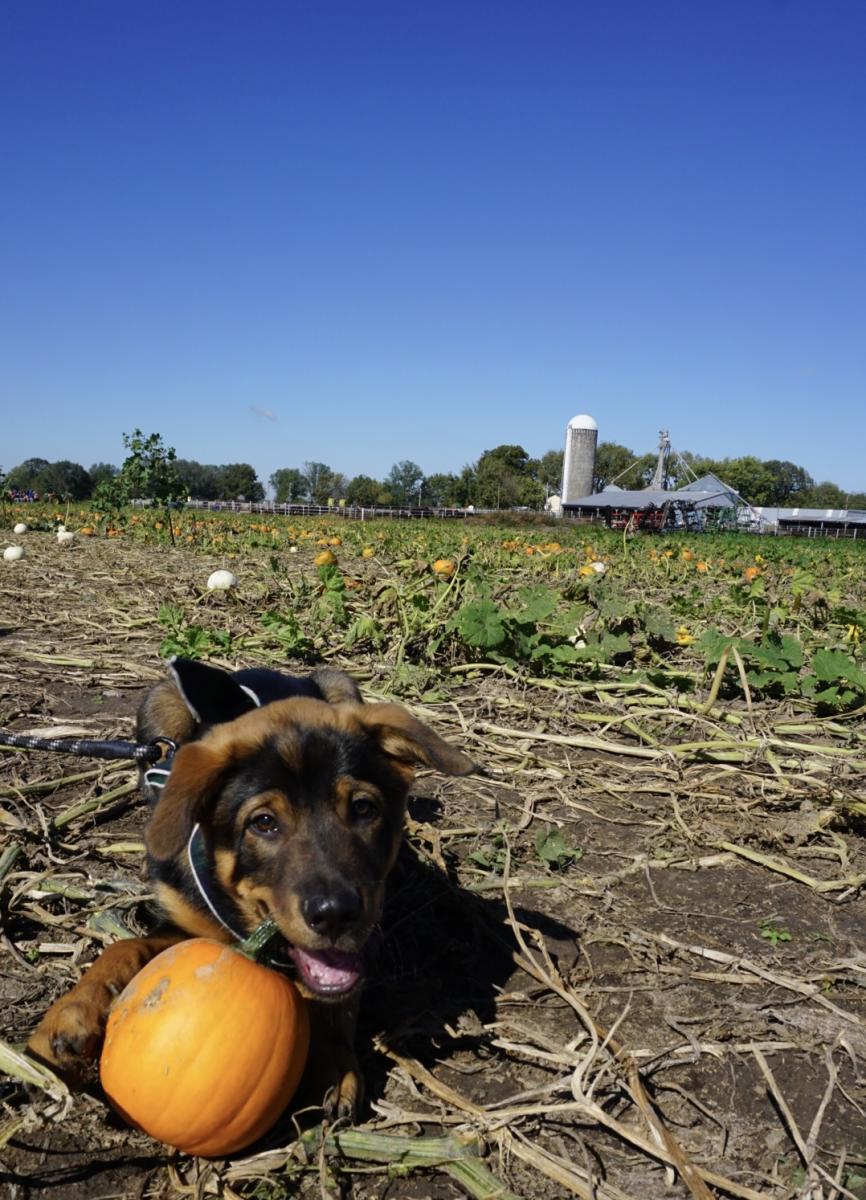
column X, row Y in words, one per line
column 363, row 808
column 265, row 824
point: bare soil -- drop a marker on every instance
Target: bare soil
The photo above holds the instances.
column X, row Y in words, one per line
column 678, row 984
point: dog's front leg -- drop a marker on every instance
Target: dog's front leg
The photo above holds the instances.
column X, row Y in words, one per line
column 333, row 1077
column 69, row 1036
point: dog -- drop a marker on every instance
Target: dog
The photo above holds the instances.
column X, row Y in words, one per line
column 284, row 798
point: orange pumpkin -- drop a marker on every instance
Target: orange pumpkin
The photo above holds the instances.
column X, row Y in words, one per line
column 326, row 559
column 205, row 1048
column 444, row 568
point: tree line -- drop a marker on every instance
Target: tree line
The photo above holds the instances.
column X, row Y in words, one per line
column 504, row 477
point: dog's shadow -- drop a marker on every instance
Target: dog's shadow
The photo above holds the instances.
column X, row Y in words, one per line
column 443, row 959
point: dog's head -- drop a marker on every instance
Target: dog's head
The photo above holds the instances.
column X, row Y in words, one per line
column 300, row 804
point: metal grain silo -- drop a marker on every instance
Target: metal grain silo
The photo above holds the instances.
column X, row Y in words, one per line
column 578, row 466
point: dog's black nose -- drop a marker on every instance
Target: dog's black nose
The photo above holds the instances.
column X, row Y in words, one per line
column 332, row 912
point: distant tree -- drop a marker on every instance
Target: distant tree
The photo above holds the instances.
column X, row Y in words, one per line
column 238, row 480
column 289, row 485
column 339, row 485
column 823, row 495
column 532, row 491
column 363, row 490
column 403, row 481
column 499, row 474
column 23, row 477
column 748, row 476
column 101, row 470
column 441, row 491
column 319, row 479
column 856, row 500
column 64, row 479
column 147, row 473
column 201, row 481
column 789, row 481
column 465, row 487
column 550, row 471
column 616, row 464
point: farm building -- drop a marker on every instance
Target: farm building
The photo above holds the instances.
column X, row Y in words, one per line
column 706, row 502
column 814, row 522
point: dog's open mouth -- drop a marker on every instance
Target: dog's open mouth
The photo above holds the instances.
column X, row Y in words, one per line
column 327, row 972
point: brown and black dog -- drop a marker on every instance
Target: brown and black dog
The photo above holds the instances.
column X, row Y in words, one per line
column 285, row 798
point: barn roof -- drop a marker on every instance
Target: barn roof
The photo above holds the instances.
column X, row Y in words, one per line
column 833, row 516
column 707, row 492
column 636, row 498
column 722, row 494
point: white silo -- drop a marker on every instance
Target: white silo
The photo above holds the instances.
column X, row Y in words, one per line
column 578, row 466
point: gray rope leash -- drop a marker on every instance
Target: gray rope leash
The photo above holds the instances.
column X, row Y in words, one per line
column 142, row 752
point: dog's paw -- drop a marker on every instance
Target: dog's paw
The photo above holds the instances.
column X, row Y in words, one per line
column 342, row 1100
column 333, row 1081
column 69, row 1037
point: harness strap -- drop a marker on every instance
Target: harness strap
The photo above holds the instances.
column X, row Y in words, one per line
column 196, row 854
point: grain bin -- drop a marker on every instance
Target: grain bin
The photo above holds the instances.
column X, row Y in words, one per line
column 578, row 467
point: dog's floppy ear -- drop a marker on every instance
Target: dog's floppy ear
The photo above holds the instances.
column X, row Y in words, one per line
column 336, row 686
column 410, row 741
column 195, row 775
column 210, row 693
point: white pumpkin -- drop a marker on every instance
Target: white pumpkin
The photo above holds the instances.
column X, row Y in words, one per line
column 221, row 581
column 13, row 553
column 19, row 528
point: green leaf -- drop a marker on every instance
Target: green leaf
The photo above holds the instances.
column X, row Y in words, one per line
column 766, row 655
column 615, row 644
column 332, row 578
column 712, row 644
column 792, row 649
column 538, row 604
column 801, row 581
column 551, row 848
column 830, row 665
column 480, row 624
column 659, row 627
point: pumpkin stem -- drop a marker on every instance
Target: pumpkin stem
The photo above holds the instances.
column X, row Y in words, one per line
column 253, row 945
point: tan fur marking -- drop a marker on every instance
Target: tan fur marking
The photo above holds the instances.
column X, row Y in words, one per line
column 182, row 914
column 224, row 862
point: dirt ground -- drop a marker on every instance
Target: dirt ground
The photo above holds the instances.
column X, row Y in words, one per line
column 603, row 971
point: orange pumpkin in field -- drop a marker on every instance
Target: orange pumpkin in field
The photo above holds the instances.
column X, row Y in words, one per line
column 205, row 1048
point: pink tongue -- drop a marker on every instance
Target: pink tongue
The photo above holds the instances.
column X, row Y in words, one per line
column 327, row 970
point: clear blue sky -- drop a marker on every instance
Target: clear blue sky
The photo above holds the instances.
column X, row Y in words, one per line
column 358, row 231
